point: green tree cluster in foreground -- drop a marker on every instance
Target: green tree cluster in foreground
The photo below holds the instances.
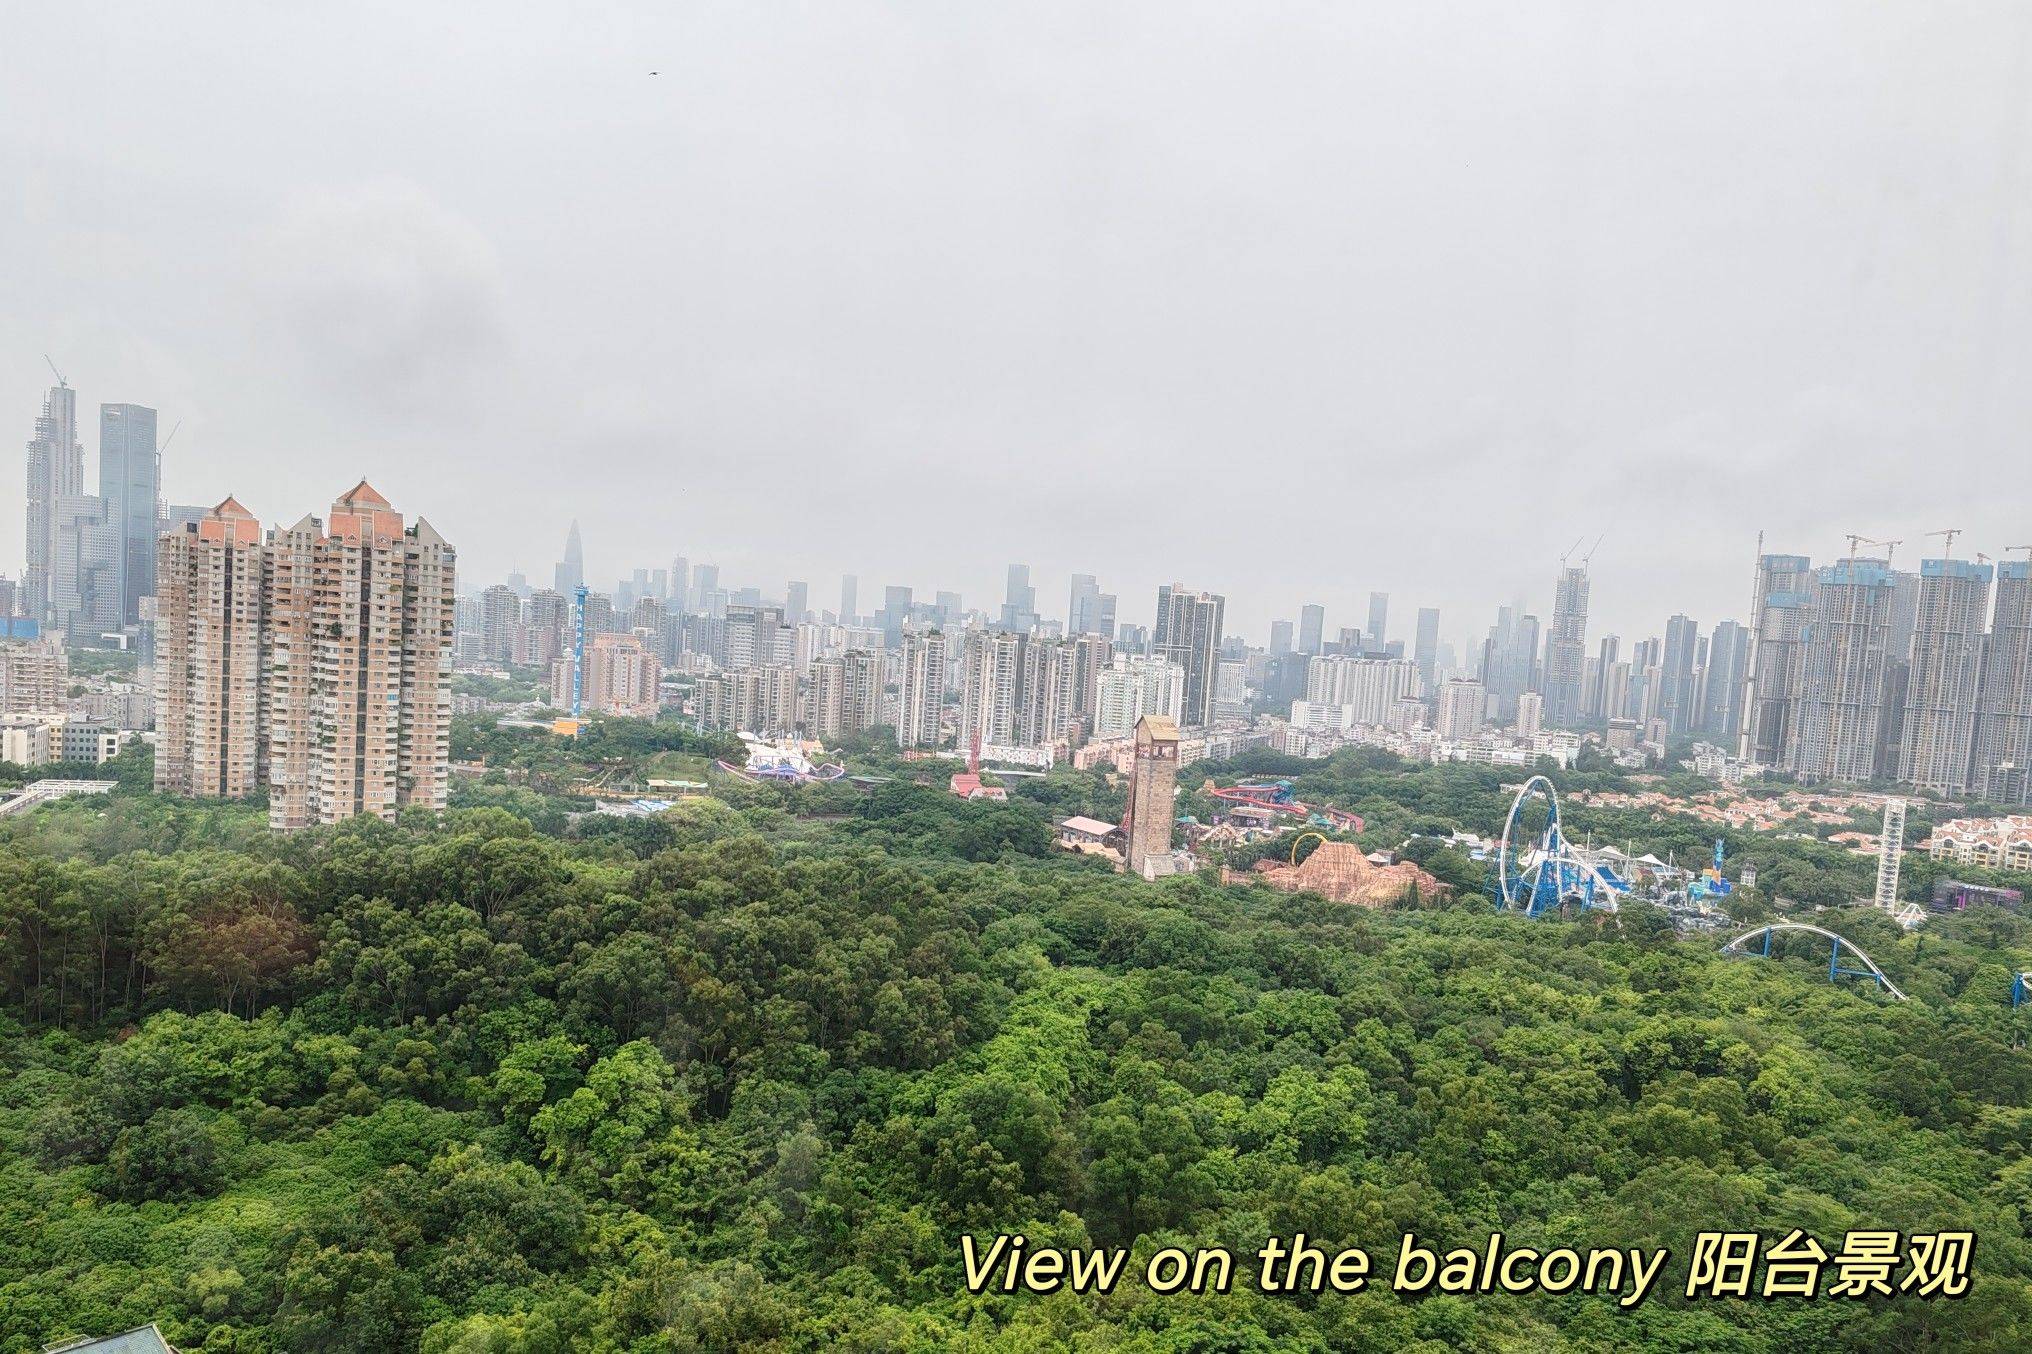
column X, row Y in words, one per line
column 740, row 1077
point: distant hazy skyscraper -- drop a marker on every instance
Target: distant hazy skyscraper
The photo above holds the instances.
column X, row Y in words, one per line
column 1083, row 611
column 1425, row 645
column 850, row 587
column 1566, row 648
column 571, row 570
column 1722, row 697
column 1280, row 638
column 1019, row 606
column 1676, row 670
column 56, row 469
column 1379, row 618
column 1311, row 627
column 1946, row 667
column 797, row 602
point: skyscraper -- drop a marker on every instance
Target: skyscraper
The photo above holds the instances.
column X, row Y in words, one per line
column 1311, row 627
column 849, row 599
column 130, row 483
column 56, row 469
column 1019, row 606
column 1084, row 609
column 1722, row 699
column 2003, row 747
column 1781, row 609
column 1676, row 673
column 1280, row 638
column 797, row 602
column 1566, row 648
column 1842, row 692
column 1188, row 633
column 1425, row 646
column 1379, row 618
column 571, row 570
column 1942, row 684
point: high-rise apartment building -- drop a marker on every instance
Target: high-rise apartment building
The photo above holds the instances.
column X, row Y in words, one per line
column 1842, row 686
column 130, row 485
column 56, row 469
column 758, row 700
column 1943, row 681
column 1091, row 655
column 1462, row 702
column 1188, row 633
column 34, row 676
column 1133, row 686
column 754, row 636
column 1565, row 649
column 500, row 618
column 316, row 661
column 1781, row 610
column 991, row 682
column 1344, row 691
column 921, row 688
column 797, row 603
column 846, row 694
column 621, row 678
column 2003, row 742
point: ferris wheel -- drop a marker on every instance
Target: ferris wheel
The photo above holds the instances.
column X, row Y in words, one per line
column 1538, row 870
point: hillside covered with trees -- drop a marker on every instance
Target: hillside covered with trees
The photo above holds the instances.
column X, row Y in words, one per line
column 740, row 1077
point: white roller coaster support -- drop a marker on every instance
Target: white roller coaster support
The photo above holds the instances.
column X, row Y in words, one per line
column 1843, row 941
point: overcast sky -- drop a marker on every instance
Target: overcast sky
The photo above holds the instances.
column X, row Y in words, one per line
column 1290, row 302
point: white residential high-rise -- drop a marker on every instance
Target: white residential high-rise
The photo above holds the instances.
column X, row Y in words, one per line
column 1365, row 690
column 921, row 688
column 1461, row 703
column 1135, row 686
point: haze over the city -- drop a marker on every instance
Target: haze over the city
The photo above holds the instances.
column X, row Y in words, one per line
column 1288, row 303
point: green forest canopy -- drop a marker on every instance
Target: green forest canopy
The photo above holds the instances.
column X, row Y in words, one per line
column 740, row 1076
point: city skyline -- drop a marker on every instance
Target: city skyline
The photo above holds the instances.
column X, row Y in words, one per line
column 1347, row 372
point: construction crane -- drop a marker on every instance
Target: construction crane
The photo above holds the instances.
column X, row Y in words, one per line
column 171, row 438
column 1947, row 552
column 54, row 372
